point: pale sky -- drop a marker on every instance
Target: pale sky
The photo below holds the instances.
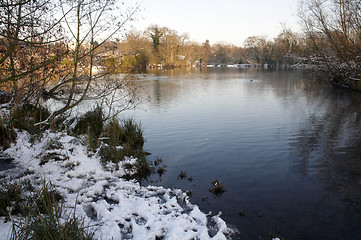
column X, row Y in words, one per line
column 229, row 21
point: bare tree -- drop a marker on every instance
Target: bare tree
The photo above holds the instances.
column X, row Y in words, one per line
column 333, row 29
column 89, row 24
column 43, row 57
column 258, row 49
column 28, row 55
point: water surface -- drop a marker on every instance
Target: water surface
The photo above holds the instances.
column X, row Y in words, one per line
column 286, row 147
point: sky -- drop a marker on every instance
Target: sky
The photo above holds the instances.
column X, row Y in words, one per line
column 227, row 21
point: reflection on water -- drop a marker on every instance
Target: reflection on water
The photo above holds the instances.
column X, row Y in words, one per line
column 287, row 148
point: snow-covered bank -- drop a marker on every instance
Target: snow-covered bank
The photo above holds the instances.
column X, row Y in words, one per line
column 115, row 208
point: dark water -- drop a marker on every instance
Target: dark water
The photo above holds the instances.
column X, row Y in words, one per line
column 287, row 149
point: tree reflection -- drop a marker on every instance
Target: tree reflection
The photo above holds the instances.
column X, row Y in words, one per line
column 329, row 142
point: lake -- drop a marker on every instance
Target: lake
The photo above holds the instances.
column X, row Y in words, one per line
column 286, row 147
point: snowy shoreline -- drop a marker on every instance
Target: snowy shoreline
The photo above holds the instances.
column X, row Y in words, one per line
column 113, row 207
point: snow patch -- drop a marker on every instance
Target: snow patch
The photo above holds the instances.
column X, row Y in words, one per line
column 113, row 207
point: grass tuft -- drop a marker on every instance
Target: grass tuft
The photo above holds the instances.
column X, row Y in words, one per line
column 182, row 175
column 46, row 218
column 26, row 115
column 125, row 133
column 91, row 124
column 161, row 170
column 125, row 139
column 7, row 135
column 12, row 198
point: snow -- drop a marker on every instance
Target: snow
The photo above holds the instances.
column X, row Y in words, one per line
column 5, row 229
column 113, row 207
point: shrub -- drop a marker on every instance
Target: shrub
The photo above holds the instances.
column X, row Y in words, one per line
column 135, row 63
column 46, row 218
column 111, row 63
column 91, row 124
column 61, row 122
column 26, row 115
column 128, row 133
column 132, row 134
column 7, row 135
column 12, row 199
column 122, row 139
column 125, row 139
column 5, row 97
column 111, row 154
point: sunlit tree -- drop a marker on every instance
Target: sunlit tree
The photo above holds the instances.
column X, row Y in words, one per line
column 258, row 49
column 135, row 52
column 289, row 48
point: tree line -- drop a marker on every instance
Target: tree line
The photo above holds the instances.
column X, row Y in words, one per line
column 163, row 47
column 52, row 47
column 330, row 43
